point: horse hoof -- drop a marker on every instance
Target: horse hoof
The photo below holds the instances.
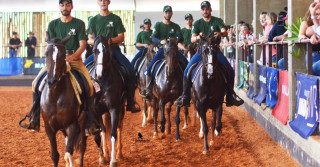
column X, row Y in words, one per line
column 205, row 152
column 102, row 162
column 201, row 135
column 184, row 127
column 113, row 164
column 178, row 139
column 168, row 132
column 211, row 142
column 155, row 135
column 162, row 136
column 143, row 124
column 216, row 132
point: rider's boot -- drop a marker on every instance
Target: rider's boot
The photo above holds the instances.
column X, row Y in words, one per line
column 34, row 115
column 132, row 105
column 92, row 120
column 148, row 90
column 184, row 99
column 232, row 98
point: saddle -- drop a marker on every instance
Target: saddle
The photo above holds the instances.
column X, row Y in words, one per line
column 139, row 63
column 79, row 83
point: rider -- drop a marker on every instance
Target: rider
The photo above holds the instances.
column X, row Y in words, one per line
column 162, row 31
column 99, row 25
column 203, row 27
column 143, row 39
column 186, row 32
column 60, row 28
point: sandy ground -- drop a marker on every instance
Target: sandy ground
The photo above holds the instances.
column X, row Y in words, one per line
column 242, row 142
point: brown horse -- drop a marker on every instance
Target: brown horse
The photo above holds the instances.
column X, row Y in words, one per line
column 151, row 51
column 167, row 88
column 109, row 101
column 59, row 106
column 209, row 87
column 191, row 50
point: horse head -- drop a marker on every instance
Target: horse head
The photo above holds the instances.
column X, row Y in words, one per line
column 210, row 51
column 56, row 59
column 152, row 50
column 102, row 55
column 171, row 54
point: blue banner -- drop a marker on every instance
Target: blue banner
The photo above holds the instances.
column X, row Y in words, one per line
column 262, row 85
column 272, row 87
column 10, row 66
column 241, row 75
column 307, row 106
column 250, row 91
column 33, row 66
column 246, row 76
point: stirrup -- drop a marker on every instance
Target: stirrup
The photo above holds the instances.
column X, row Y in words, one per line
column 30, row 126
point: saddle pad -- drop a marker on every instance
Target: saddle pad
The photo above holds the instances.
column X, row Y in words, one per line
column 196, row 71
column 157, row 67
column 140, row 63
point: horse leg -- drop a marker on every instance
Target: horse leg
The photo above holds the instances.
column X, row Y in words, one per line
column 186, row 118
column 201, row 129
column 69, row 147
column 177, row 119
column 155, row 118
column 97, row 139
column 119, row 145
column 149, row 115
column 163, row 118
column 53, row 141
column 169, row 121
column 194, row 116
column 218, row 126
column 106, row 120
column 144, row 113
column 202, row 113
column 213, row 125
column 113, row 136
column 83, row 143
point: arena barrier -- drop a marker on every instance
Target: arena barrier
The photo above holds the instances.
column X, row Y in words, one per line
column 260, row 97
column 10, row 66
column 241, row 75
column 250, row 91
column 33, row 66
column 272, row 87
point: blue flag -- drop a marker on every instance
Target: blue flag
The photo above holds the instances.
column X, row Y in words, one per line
column 250, row 91
column 262, row 85
column 272, row 87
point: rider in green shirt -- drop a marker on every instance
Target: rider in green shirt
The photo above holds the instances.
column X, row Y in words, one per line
column 186, row 32
column 203, row 27
column 162, row 31
column 100, row 25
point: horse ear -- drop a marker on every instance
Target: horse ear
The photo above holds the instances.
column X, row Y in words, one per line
column 66, row 39
column 108, row 34
column 47, row 37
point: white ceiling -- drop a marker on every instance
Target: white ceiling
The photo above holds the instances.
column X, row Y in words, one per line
column 91, row 5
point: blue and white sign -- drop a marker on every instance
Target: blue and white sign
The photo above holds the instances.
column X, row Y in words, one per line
column 307, row 106
column 262, row 85
column 272, row 87
column 250, row 91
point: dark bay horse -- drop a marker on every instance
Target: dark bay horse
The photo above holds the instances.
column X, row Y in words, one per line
column 191, row 50
column 151, row 51
column 209, row 87
column 59, row 106
column 168, row 87
column 110, row 100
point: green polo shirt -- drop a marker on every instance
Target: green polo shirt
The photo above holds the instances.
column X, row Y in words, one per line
column 186, row 36
column 144, row 37
column 76, row 27
column 215, row 24
column 165, row 31
column 101, row 24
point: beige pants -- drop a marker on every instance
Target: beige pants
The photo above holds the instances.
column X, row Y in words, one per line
column 76, row 65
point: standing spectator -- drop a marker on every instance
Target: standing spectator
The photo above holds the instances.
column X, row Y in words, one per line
column 14, row 45
column 141, row 27
column 31, row 43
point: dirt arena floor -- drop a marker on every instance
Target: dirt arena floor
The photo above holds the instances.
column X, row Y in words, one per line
column 242, row 142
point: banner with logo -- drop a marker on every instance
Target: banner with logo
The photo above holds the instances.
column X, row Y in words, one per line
column 241, row 75
column 33, row 66
column 281, row 110
column 272, row 87
column 246, row 66
column 250, row 91
column 307, row 105
column 10, row 66
column 262, row 85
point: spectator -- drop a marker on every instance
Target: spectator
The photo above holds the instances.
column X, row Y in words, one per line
column 244, row 39
column 263, row 18
column 271, row 19
column 31, row 43
column 141, row 27
column 14, row 45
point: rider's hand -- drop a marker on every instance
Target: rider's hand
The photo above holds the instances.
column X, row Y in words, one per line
column 70, row 58
column 146, row 45
column 163, row 42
